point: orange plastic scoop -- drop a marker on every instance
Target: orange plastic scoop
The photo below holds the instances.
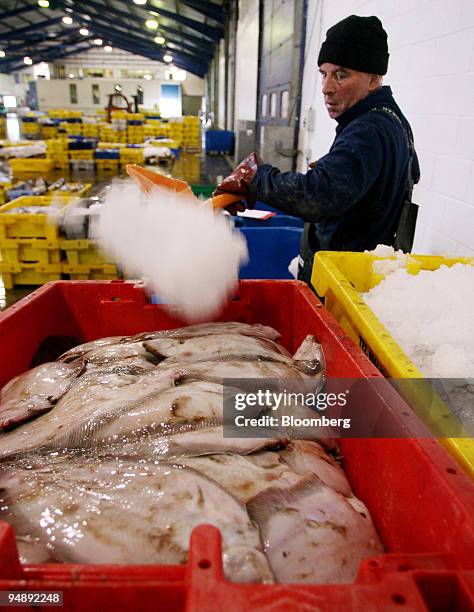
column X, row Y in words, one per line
column 147, row 179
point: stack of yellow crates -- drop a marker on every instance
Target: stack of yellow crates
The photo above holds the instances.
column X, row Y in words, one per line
column 74, row 129
column 131, row 155
column 29, row 242
column 90, row 130
column 176, row 132
column 191, row 132
column 84, row 261
column 3, row 127
column 56, row 149
column 30, row 125
column 48, row 131
column 108, row 134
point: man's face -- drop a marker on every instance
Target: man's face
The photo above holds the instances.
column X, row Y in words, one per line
column 343, row 87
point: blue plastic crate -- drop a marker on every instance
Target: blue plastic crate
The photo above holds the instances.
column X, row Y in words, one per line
column 277, row 221
column 107, row 154
column 219, row 141
column 270, row 251
column 29, row 119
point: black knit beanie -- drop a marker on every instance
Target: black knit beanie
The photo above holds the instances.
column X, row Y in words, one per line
column 356, row 42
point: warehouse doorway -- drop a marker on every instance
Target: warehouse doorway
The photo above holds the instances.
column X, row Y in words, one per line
column 281, row 60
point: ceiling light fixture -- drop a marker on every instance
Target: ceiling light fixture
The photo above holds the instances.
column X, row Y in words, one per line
column 108, row 48
column 168, row 58
column 27, row 60
column 43, row 3
column 2, row 53
column 84, row 32
column 67, row 20
column 151, row 24
column 160, row 40
column 140, row 2
column 71, row 76
column 97, row 41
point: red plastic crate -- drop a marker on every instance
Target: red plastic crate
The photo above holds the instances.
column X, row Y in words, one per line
column 422, row 506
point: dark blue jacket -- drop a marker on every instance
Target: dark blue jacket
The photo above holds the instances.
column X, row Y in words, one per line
column 353, row 197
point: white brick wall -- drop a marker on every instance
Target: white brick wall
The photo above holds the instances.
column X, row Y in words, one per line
column 431, row 72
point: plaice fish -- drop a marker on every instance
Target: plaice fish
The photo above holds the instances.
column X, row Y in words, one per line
column 94, row 394
column 190, row 331
column 312, row 533
column 85, row 509
column 244, row 475
column 155, row 414
column 215, row 347
column 35, row 392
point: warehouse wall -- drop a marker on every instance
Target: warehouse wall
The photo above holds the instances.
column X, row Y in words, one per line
column 247, row 58
column 54, row 93
column 431, row 71
column 246, row 78
column 8, row 87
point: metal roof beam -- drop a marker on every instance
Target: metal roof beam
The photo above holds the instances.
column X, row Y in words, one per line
column 17, row 11
column 204, row 51
column 190, row 38
column 138, row 47
column 214, row 33
column 18, row 33
column 72, row 52
column 208, row 9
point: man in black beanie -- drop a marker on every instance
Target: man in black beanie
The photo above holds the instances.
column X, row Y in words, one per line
column 351, row 199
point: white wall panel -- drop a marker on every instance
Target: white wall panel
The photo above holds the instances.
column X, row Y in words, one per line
column 247, row 61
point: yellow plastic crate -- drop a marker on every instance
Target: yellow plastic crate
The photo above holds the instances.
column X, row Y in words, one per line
column 30, row 164
column 82, row 252
column 340, row 278
column 28, row 274
column 81, row 154
column 25, row 251
column 80, row 193
column 30, row 225
column 91, row 271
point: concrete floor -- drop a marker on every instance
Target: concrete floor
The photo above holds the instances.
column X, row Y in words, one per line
column 194, row 168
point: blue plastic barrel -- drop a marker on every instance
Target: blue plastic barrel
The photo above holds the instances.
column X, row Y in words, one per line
column 270, row 251
column 276, row 221
column 219, row 141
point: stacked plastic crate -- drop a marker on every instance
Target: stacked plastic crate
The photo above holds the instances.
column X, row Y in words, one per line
column 132, row 154
column 135, row 129
column 176, row 131
column 30, row 126
column 56, row 149
column 3, row 126
column 191, row 133
column 29, row 242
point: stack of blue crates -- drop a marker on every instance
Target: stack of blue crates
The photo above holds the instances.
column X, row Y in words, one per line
column 219, row 142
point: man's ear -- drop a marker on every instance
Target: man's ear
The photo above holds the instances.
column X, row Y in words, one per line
column 375, row 81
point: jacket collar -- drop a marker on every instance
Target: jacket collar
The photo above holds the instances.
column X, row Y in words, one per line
column 382, row 96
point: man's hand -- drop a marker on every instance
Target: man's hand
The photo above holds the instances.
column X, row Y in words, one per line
column 239, row 181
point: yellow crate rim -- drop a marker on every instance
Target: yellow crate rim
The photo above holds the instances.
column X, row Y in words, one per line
column 328, row 276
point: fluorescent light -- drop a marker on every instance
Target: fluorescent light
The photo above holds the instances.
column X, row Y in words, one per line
column 84, row 32
column 43, row 3
column 2, row 53
column 147, row 77
column 160, row 40
column 71, row 76
column 151, row 24
column 97, row 41
column 67, row 20
column 27, row 60
column 108, row 48
column 140, row 2
column 168, row 58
